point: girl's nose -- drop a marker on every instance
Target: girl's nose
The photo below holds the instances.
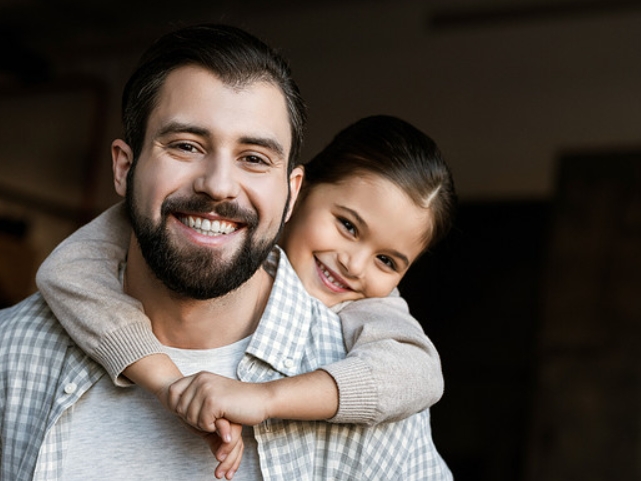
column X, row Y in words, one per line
column 353, row 263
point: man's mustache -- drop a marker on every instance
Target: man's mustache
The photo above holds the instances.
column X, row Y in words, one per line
column 204, row 205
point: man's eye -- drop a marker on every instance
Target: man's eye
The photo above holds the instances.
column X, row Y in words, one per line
column 185, row 147
column 255, row 159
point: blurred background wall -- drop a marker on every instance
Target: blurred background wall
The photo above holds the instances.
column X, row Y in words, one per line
column 536, row 104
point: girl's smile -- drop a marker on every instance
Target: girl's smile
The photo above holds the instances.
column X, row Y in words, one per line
column 354, row 239
column 332, row 280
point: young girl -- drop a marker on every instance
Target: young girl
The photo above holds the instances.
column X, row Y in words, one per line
column 376, row 198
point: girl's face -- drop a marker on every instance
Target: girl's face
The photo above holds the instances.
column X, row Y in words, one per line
column 354, row 239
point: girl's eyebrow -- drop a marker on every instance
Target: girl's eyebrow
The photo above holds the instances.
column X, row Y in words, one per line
column 354, row 214
column 359, row 220
column 401, row 257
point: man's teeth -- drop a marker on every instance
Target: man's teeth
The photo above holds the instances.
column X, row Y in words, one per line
column 208, row 227
column 330, row 278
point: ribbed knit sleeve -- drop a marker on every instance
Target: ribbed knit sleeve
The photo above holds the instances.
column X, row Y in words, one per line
column 358, row 396
column 392, row 369
column 80, row 280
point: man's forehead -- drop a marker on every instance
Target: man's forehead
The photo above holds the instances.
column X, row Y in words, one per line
column 257, row 104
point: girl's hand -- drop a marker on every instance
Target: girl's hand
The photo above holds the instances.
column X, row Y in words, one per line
column 204, row 398
column 217, row 407
column 227, row 446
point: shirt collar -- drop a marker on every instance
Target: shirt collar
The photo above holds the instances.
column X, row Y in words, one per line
column 284, row 329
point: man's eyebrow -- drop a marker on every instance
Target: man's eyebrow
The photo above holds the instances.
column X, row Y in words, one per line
column 266, row 142
column 182, row 127
column 402, row 257
column 174, row 127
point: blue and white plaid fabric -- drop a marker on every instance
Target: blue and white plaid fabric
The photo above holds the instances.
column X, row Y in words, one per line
column 298, row 334
column 43, row 373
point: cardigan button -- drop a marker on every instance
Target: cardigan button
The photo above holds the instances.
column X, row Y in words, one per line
column 71, row 388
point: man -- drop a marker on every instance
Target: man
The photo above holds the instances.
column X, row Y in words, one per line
column 213, row 126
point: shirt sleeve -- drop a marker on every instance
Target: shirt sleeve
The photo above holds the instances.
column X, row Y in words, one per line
column 392, row 369
column 81, row 283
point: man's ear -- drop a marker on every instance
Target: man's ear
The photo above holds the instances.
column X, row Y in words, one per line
column 295, row 183
column 122, row 159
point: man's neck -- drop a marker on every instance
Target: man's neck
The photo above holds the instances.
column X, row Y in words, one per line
column 194, row 324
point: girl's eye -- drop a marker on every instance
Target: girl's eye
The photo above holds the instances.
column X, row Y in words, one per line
column 387, row 262
column 347, row 225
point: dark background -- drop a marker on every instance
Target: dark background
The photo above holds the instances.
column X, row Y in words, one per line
column 478, row 297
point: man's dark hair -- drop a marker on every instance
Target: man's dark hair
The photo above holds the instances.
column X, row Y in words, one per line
column 236, row 57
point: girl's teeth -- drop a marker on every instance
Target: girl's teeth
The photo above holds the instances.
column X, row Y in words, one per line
column 331, row 279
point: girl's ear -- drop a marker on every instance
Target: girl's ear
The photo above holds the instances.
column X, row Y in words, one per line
column 122, row 159
column 295, row 183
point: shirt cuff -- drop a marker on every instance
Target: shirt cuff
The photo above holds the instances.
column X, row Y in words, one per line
column 357, row 392
column 121, row 348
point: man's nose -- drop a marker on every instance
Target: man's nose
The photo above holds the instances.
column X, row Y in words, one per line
column 218, row 178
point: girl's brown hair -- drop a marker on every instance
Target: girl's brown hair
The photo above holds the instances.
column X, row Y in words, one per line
column 397, row 151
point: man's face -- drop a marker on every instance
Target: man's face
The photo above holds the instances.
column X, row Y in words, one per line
column 209, row 193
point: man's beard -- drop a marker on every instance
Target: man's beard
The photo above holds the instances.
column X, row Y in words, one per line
column 198, row 272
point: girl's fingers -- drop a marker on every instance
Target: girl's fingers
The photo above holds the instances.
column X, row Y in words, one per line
column 230, row 453
column 224, row 429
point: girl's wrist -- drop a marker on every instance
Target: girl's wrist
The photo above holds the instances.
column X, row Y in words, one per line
column 154, row 373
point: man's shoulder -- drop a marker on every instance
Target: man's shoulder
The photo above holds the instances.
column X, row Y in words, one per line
column 288, row 289
column 296, row 333
column 30, row 322
column 291, row 303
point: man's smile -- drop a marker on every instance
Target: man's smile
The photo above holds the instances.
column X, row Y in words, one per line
column 209, row 227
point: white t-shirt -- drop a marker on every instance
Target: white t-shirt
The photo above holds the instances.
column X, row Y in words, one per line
column 126, row 434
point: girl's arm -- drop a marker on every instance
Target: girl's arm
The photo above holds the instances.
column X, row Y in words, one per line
column 392, row 370
column 80, row 280
column 81, row 283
